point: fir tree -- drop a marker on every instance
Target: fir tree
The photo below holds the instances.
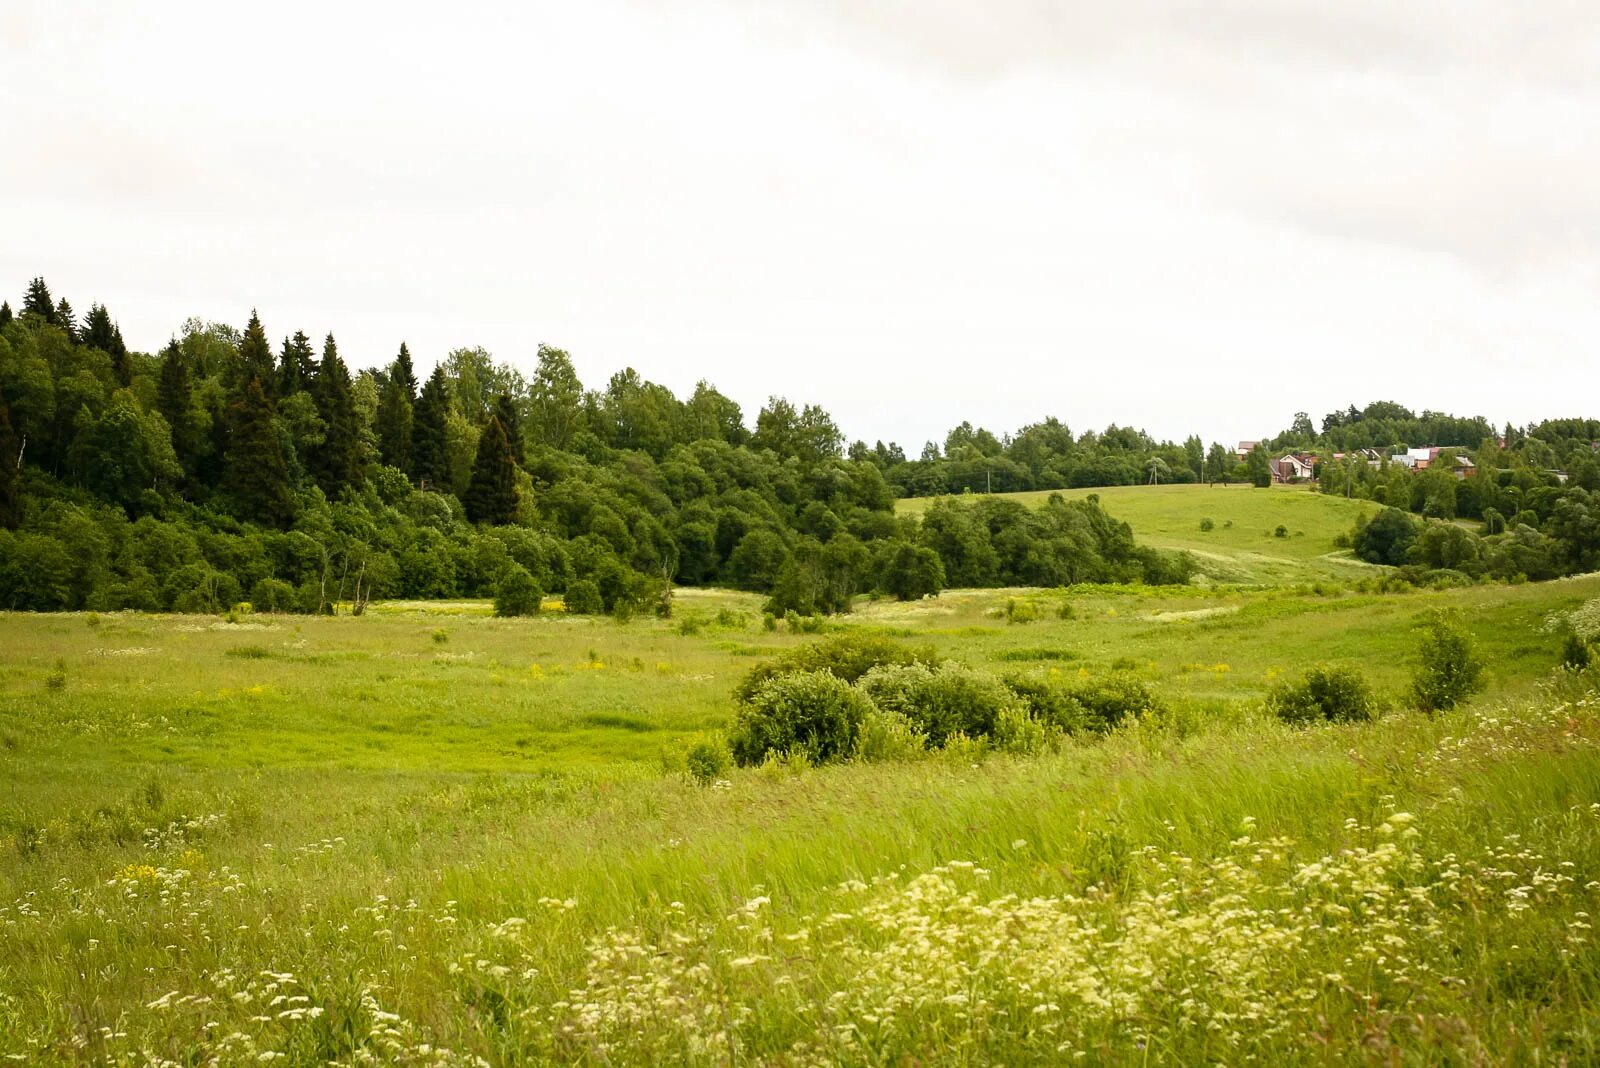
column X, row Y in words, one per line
column 175, row 402
column 337, row 461
column 39, row 302
column 506, row 411
column 430, row 457
column 65, row 318
column 255, row 356
column 492, row 495
column 99, row 332
column 10, row 471
column 5, row 314
column 255, row 471
column 395, row 413
column 296, row 364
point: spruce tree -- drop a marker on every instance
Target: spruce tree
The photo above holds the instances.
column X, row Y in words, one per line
column 99, row 332
column 336, row 462
column 10, row 471
column 66, row 319
column 175, row 402
column 5, row 314
column 506, row 411
column 255, row 356
column 296, row 364
column 492, row 494
column 39, row 302
column 255, row 472
column 430, row 459
column 395, row 413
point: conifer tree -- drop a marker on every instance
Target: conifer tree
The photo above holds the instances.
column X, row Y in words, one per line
column 175, row 402
column 255, row 471
column 99, row 332
column 39, row 302
column 430, row 457
column 5, row 314
column 492, row 494
column 66, row 319
column 506, row 411
column 255, row 356
column 10, row 471
column 337, row 461
column 296, row 364
column 396, row 401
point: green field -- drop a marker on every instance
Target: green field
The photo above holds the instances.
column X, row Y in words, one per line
column 427, row 835
column 1242, row 546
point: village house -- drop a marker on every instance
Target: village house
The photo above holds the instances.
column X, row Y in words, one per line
column 1421, row 459
column 1294, row 467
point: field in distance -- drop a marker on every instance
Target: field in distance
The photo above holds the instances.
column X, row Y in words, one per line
column 1243, row 545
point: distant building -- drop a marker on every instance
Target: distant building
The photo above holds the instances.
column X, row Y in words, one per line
column 1245, row 449
column 1421, row 459
column 1294, row 467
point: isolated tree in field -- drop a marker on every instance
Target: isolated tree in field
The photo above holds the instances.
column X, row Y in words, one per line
column 255, row 472
column 505, row 409
column 10, row 471
column 337, row 461
column 430, row 453
column 39, row 302
column 1219, row 464
column 396, row 407
column 255, row 357
column 296, row 365
column 518, row 593
column 492, row 494
column 1449, row 669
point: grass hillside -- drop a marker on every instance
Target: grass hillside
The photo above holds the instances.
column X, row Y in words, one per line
column 1242, row 545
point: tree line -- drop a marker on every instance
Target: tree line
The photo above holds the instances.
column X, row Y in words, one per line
column 224, row 468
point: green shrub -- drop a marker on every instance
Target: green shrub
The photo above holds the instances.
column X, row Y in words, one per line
column 949, row 699
column 583, row 598
column 844, row 656
column 1324, row 694
column 1050, row 700
column 1281, row 531
column 518, row 593
column 273, row 595
column 1449, row 669
column 888, row 736
column 1023, row 611
column 1015, row 731
column 441, row 636
column 708, row 759
column 57, row 679
column 1207, row 525
column 811, row 713
column 1112, row 699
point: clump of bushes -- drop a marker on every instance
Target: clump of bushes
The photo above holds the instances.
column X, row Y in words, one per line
column 1324, row 695
column 945, row 700
column 708, row 759
column 844, row 656
column 1449, row 669
column 583, row 598
column 813, row 713
column 519, row 593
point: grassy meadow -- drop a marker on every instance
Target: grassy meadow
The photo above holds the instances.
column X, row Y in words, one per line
column 430, row 836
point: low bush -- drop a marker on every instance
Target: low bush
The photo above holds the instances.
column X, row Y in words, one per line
column 1449, row 669
column 844, row 656
column 1050, row 700
column 583, row 598
column 708, row 759
column 1324, row 694
column 889, row 736
column 941, row 701
column 1113, row 698
column 810, row 713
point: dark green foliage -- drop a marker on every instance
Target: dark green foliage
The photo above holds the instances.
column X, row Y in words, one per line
column 255, row 358
column 1387, row 538
column 708, row 760
column 1258, row 466
column 1114, row 698
column 256, row 474
column 583, row 598
column 39, row 302
column 492, row 495
column 844, row 656
column 10, row 471
column 1324, row 694
column 1051, row 700
column 518, row 594
column 1449, row 669
column 296, row 365
column 942, row 701
column 336, row 462
column 909, row 572
column 5, row 314
column 505, row 410
column 809, row 713
column 430, row 458
column 396, row 401
column 99, row 332
column 273, row 595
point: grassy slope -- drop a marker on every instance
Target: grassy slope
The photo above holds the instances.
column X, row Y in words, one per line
column 1241, row 547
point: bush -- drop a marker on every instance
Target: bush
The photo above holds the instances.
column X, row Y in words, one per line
column 888, row 736
column 1281, row 531
column 845, row 656
column 942, row 701
column 1110, row 700
column 1324, row 694
column 811, row 713
column 1449, row 669
column 583, row 598
column 1050, row 701
column 518, row 594
column 708, row 759
column 273, row 595
column 1207, row 525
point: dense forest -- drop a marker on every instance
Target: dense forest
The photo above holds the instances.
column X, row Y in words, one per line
column 225, row 469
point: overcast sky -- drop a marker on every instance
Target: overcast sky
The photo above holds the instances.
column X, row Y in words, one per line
column 1193, row 217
